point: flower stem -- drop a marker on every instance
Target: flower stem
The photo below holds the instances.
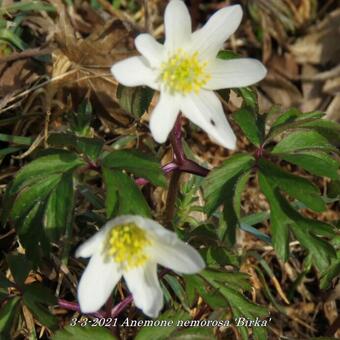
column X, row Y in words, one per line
column 76, row 308
column 171, row 197
column 176, row 141
column 118, row 308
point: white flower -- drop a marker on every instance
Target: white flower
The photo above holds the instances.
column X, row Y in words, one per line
column 186, row 71
column 131, row 246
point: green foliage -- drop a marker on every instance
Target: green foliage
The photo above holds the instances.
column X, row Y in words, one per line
column 83, row 333
column 137, row 163
column 123, row 196
column 240, row 306
column 159, row 333
column 303, row 139
column 134, row 100
column 36, row 297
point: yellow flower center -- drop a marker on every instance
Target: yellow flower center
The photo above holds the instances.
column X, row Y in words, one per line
column 126, row 244
column 184, row 72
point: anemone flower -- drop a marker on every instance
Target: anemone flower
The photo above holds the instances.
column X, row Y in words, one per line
column 131, row 246
column 186, row 71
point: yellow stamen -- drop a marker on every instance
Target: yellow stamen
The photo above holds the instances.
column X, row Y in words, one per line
column 126, row 244
column 184, row 73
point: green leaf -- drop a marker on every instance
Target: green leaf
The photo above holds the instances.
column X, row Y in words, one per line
column 316, row 162
column 37, row 297
column 123, row 196
column 227, row 55
column 302, row 140
column 322, row 252
column 240, row 306
column 28, row 197
column 83, row 333
column 21, row 140
column 284, row 216
column 233, row 279
column 232, row 205
column 42, row 167
column 31, row 233
column 294, row 115
column 135, row 100
column 250, row 97
column 59, row 207
column 7, row 314
column 295, row 186
column 329, row 274
column 138, row 163
column 279, row 220
column 161, row 333
column 214, row 185
column 88, row 146
column 20, row 268
column 246, row 120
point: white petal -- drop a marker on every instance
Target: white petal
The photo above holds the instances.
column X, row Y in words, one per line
column 92, row 245
column 235, row 73
column 180, row 257
column 135, row 71
column 177, row 24
column 163, row 117
column 208, row 40
column 97, row 283
column 151, row 49
column 153, row 228
column 205, row 110
column 144, row 285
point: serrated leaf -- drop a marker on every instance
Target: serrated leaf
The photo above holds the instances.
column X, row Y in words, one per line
column 322, row 252
column 31, row 233
column 240, row 306
column 59, row 207
column 284, row 216
column 123, row 196
column 316, row 162
column 29, row 196
column 246, row 120
column 88, row 146
column 138, row 163
column 57, row 162
column 135, row 100
column 234, row 279
column 302, row 140
column 214, row 185
column 83, row 333
column 20, row 267
column 279, row 220
column 294, row 115
column 295, row 186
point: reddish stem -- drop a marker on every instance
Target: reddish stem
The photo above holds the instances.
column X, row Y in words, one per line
column 75, row 307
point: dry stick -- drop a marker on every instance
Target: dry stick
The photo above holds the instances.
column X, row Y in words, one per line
column 34, row 52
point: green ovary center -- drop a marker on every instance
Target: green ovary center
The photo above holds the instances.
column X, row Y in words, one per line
column 126, row 244
column 184, row 72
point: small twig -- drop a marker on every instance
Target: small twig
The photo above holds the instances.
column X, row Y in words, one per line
column 34, row 52
column 147, row 23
